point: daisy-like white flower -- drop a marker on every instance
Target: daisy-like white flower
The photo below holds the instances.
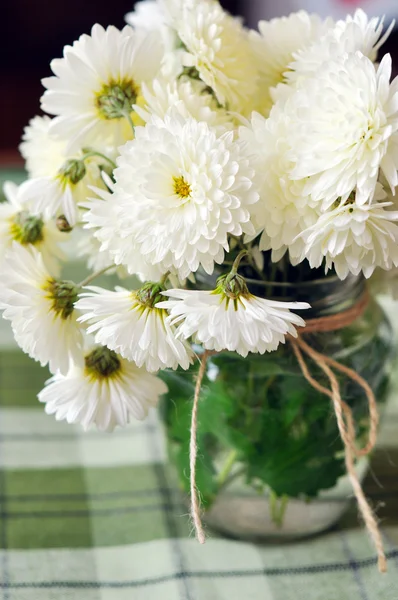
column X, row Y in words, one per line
column 230, row 318
column 342, row 129
column 354, row 238
column 96, row 83
column 106, row 391
column 217, row 46
column 41, row 309
column 58, row 181
column 283, row 210
column 189, row 97
column 181, row 190
column 128, row 323
column 357, row 33
column 277, row 43
column 18, row 224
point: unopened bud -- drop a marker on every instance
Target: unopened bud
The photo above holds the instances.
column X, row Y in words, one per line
column 149, row 294
column 233, row 285
column 73, row 169
column 26, row 228
column 62, row 224
column 116, row 99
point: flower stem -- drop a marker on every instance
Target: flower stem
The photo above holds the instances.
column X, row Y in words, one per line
column 89, row 152
column 130, row 121
column 91, row 277
column 237, row 260
column 278, row 507
column 226, row 468
column 164, row 278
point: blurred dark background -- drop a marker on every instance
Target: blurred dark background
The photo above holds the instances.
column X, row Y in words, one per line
column 35, row 31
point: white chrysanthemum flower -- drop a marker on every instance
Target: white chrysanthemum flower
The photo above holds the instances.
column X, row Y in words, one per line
column 97, row 82
column 276, row 44
column 354, row 238
column 217, row 46
column 238, row 321
column 58, row 181
column 190, row 98
column 357, row 33
column 41, row 310
column 342, row 129
column 101, row 218
column 18, row 224
column 283, row 210
column 128, row 323
column 106, row 391
column 181, row 191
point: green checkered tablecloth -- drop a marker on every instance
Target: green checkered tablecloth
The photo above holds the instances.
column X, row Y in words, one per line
column 97, row 516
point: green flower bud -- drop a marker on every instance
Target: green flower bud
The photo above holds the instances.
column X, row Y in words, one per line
column 63, row 224
column 102, row 363
column 116, row 99
column 149, row 295
column 63, row 295
column 26, row 228
column 232, row 285
column 73, row 170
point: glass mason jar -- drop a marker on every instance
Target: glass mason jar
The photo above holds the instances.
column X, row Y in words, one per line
column 271, row 460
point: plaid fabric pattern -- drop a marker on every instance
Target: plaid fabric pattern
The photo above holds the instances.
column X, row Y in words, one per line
column 98, row 517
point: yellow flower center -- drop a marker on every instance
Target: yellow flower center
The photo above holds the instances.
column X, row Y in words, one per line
column 181, row 187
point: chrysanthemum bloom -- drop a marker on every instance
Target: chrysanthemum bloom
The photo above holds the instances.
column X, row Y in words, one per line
column 277, row 43
column 357, row 33
column 283, row 210
column 58, row 181
column 189, row 97
column 41, row 309
column 182, row 189
column 343, row 129
column 106, row 391
column 130, row 324
column 97, row 82
column 101, row 219
column 18, row 224
column 354, row 238
column 217, row 47
column 230, row 318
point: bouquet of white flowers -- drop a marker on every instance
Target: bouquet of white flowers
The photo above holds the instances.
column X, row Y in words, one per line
column 186, row 144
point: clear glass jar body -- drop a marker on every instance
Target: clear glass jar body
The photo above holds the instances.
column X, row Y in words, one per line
column 271, row 461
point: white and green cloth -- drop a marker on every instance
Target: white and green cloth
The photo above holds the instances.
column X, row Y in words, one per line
column 98, row 516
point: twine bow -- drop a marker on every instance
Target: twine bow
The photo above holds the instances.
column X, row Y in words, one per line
column 344, row 416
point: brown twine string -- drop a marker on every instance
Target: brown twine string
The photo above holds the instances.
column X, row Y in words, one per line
column 193, row 453
column 344, row 417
